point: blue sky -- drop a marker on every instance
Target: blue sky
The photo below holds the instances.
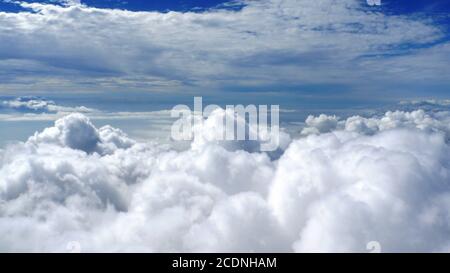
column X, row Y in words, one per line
column 298, row 50
column 137, row 5
column 395, row 6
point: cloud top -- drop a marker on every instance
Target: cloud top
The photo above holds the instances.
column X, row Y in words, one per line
column 342, row 185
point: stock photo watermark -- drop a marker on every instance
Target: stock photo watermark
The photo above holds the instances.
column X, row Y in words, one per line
column 237, row 123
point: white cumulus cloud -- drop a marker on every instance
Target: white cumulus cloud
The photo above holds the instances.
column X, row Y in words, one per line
column 335, row 189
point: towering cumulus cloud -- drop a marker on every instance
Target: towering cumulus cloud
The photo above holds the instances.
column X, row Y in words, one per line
column 339, row 186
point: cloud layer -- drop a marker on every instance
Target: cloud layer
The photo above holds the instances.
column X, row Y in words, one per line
column 341, row 185
column 299, row 43
column 31, row 104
